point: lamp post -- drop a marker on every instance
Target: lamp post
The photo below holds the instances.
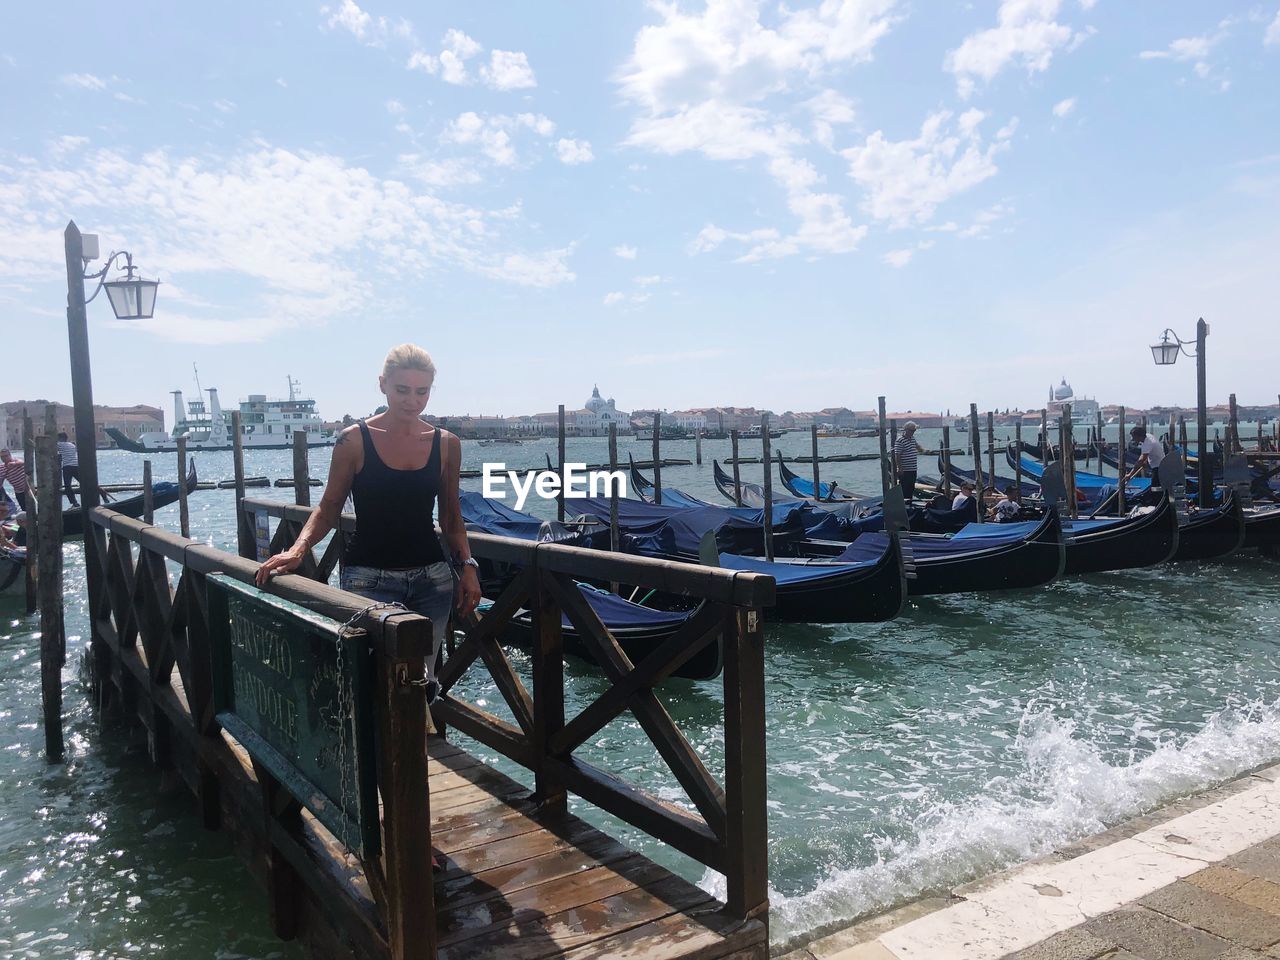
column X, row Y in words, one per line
column 1165, row 353
column 131, row 299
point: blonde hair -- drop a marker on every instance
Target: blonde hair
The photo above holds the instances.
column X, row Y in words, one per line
column 408, row 356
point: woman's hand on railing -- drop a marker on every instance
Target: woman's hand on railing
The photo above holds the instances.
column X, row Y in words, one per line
column 467, row 596
column 285, row 562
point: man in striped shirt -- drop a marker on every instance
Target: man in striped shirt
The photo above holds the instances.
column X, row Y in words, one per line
column 14, row 472
column 70, row 466
column 904, row 452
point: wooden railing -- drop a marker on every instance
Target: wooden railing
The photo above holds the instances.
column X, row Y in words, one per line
column 724, row 825
column 144, row 630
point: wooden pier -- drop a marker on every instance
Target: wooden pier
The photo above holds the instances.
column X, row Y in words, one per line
column 344, row 852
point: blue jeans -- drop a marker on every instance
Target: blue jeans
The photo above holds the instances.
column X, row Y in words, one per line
column 425, row 590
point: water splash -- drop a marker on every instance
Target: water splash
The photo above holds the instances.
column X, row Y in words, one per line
column 1065, row 790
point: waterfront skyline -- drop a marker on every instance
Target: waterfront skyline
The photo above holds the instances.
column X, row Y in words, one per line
column 785, row 207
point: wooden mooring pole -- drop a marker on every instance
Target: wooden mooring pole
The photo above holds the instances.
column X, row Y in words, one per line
column 29, row 462
column 1233, row 437
column 1046, row 445
column 991, row 448
column 697, row 445
column 1122, row 446
column 301, row 470
column 184, row 508
column 885, row 482
column 53, row 644
column 813, row 444
column 657, row 457
column 1069, row 444
column 737, row 479
column 560, row 449
column 946, row 464
column 1017, row 446
column 148, row 498
column 976, row 443
column 246, row 539
column 768, row 487
column 615, row 536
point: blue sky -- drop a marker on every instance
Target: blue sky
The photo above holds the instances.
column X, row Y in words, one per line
column 790, row 206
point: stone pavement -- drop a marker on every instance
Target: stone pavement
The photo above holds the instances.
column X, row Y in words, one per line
column 1198, row 880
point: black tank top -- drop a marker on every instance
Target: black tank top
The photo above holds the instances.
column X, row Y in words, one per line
column 394, row 526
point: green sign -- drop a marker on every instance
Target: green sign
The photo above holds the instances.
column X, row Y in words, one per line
column 299, row 697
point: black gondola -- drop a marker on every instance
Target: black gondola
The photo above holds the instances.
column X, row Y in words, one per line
column 638, row 630
column 1212, row 533
column 1123, row 544
column 162, row 494
column 801, row 488
column 958, row 476
column 752, row 493
column 1262, row 527
column 970, row 565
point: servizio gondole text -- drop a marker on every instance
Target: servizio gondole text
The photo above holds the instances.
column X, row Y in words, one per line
column 578, row 482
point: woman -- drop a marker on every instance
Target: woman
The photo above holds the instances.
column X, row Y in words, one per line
column 395, row 466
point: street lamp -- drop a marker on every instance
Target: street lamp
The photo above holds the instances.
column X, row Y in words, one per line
column 131, row 298
column 1165, row 353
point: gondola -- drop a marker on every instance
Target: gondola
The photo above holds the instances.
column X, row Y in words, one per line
column 809, row 589
column 958, row 476
column 13, row 565
column 1262, row 527
column 1090, row 486
column 982, row 557
column 1122, row 543
column 1211, row 533
column 162, row 494
column 798, row 486
column 639, row 630
column 1083, row 451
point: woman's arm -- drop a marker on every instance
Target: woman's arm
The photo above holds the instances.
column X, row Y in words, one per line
column 456, row 546
column 342, row 471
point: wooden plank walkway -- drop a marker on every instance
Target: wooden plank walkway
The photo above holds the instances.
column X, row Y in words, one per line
column 520, row 887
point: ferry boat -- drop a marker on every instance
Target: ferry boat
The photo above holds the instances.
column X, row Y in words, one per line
column 264, row 424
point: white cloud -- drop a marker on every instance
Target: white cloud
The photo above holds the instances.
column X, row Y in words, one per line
column 424, row 62
column 493, row 134
column 907, row 180
column 368, row 29
column 899, row 258
column 1026, row 34
column 508, row 70
column 648, row 281
column 458, row 49
column 1272, row 37
column 395, row 108
column 573, row 152
column 1196, row 51
column 701, row 81
column 614, row 298
column 829, row 108
column 85, row 81
column 1064, row 107
column 224, row 106
column 727, row 53
column 625, row 252
column 282, row 82
column 300, row 238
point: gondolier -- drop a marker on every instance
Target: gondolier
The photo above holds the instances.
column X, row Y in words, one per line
column 1151, row 455
column 14, row 472
column 70, row 466
column 904, row 452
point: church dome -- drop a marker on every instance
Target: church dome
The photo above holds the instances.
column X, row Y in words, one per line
column 1063, row 391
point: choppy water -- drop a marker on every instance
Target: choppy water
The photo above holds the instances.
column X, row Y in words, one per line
column 972, row 732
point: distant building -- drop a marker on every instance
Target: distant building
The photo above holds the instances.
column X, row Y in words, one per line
column 1082, row 408
column 131, row 421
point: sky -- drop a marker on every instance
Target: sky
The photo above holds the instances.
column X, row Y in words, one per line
column 694, row 203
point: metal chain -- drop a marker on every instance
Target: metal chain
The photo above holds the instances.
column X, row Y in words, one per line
column 346, row 700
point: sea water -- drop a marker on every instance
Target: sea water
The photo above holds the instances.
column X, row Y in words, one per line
column 904, row 758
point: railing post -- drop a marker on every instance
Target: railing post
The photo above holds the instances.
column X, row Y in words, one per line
column 548, row 693
column 745, row 787
column 184, row 510
column 402, row 779
column 301, row 470
column 245, row 545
